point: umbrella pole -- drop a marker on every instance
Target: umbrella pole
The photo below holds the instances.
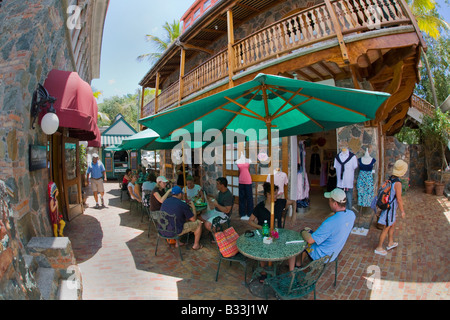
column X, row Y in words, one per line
column 272, row 181
column 184, row 169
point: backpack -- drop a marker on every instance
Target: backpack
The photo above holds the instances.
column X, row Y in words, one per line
column 384, row 194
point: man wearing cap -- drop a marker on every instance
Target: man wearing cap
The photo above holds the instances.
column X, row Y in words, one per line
column 331, row 236
column 159, row 193
column 186, row 216
column 97, row 171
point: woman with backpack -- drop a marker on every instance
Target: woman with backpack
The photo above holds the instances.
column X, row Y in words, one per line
column 388, row 216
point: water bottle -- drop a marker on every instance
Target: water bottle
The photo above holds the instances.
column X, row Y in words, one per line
column 265, row 229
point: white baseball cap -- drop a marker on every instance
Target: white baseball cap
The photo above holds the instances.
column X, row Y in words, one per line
column 161, row 178
column 94, row 155
column 337, row 195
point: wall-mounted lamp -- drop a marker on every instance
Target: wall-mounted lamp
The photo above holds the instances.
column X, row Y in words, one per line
column 40, row 101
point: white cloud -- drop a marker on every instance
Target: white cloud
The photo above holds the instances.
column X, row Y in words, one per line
column 112, row 81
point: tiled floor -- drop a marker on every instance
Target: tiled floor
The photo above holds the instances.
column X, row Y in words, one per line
column 117, row 259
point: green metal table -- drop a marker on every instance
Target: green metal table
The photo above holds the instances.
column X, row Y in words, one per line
column 277, row 251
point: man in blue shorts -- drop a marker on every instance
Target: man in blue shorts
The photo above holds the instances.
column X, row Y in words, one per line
column 331, row 236
column 98, row 174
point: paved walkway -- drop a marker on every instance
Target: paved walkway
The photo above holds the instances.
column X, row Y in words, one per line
column 117, row 259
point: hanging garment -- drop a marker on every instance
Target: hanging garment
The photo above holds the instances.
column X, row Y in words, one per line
column 314, row 166
column 364, row 184
column 302, row 186
column 332, row 179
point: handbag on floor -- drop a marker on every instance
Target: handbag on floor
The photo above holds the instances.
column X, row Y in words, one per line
column 226, row 241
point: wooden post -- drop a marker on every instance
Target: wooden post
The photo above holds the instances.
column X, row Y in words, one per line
column 338, row 31
column 231, row 58
column 157, row 93
column 142, row 104
column 181, row 82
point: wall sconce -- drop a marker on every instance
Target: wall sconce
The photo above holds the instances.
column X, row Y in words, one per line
column 40, row 101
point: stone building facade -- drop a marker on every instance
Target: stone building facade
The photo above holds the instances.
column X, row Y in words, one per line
column 35, row 37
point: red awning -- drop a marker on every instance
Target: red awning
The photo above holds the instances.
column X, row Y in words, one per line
column 75, row 104
column 97, row 142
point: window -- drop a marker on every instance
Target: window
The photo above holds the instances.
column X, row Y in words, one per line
column 206, row 4
column 197, row 14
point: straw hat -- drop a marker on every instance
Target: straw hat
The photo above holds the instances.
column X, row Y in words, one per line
column 400, row 168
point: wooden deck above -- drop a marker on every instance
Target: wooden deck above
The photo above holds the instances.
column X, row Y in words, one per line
column 375, row 46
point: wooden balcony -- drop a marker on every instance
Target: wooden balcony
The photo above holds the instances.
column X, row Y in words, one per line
column 361, row 40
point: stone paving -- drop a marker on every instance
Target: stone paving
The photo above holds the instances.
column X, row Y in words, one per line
column 117, row 258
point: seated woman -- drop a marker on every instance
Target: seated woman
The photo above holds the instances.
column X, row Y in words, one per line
column 193, row 191
column 159, row 193
column 132, row 189
column 126, row 179
column 262, row 209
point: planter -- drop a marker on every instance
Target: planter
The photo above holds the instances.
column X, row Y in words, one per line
column 439, row 188
column 429, row 186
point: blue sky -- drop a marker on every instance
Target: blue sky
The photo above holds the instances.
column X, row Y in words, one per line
column 127, row 23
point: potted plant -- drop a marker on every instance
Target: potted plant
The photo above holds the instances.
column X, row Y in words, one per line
column 83, row 164
column 435, row 132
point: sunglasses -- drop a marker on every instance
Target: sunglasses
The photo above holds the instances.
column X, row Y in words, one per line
column 249, row 234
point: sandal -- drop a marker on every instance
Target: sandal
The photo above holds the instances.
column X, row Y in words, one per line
column 200, row 247
column 394, row 245
column 381, row 252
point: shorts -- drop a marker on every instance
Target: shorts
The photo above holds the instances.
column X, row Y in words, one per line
column 211, row 214
column 190, row 226
column 97, row 185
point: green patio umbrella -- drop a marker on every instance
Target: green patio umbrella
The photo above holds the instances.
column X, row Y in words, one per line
column 113, row 148
column 269, row 103
column 150, row 140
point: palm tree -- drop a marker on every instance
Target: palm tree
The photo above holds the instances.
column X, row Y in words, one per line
column 171, row 33
column 430, row 22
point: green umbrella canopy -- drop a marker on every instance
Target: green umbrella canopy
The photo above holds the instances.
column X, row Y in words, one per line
column 292, row 107
column 269, row 103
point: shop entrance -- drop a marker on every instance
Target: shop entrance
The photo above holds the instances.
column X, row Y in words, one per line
column 314, row 172
column 65, row 172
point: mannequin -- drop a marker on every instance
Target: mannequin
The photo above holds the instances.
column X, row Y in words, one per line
column 245, row 188
column 364, row 183
column 345, row 164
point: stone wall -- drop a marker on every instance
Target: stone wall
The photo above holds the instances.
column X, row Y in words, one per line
column 32, row 43
column 16, row 280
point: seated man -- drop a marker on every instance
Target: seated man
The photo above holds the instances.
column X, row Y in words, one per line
column 332, row 234
column 221, row 206
column 186, row 218
column 193, row 190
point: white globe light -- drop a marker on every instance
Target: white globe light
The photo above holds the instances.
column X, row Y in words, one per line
column 50, row 123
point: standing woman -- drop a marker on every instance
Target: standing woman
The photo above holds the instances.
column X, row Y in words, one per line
column 388, row 217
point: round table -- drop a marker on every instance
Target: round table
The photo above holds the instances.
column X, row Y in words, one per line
column 278, row 250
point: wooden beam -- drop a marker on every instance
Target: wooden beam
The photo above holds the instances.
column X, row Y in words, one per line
column 337, row 29
column 187, row 46
column 181, row 81
column 231, row 55
column 158, row 77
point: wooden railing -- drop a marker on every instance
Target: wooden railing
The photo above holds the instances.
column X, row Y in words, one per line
column 212, row 70
column 294, row 32
column 169, row 96
column 422, row 105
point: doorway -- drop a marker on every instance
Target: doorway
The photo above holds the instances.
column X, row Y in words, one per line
column 66, row 173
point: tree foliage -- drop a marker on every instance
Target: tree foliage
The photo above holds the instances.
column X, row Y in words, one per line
column 128, row 105
column 171, row 32
column 438, row 55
